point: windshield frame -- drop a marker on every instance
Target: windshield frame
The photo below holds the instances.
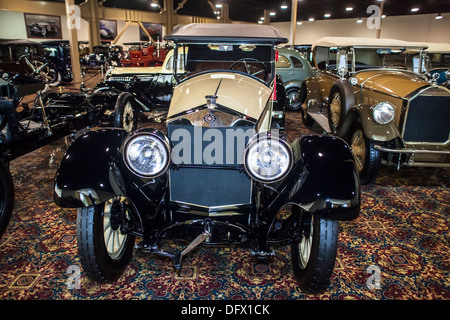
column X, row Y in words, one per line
column 184, row 54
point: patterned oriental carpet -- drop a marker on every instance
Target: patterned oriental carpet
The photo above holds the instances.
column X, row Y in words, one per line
column 403, row 231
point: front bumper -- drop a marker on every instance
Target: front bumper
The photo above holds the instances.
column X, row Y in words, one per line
column 411, row 153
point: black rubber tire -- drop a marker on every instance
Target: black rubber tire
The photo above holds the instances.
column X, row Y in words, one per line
column 6, row 197
column 119, row 111
column 315, row 276
column 95, row 260
column 372, row 163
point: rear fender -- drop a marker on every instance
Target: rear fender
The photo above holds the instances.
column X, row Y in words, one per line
column 328, row 185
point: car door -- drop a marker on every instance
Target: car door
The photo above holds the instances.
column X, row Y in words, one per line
column 325, row 60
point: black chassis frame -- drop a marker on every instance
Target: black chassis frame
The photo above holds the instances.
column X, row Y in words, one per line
column 63, row 114
column 323, row 181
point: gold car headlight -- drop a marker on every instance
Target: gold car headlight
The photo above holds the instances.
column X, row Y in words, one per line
column 268, row 157
column 147, row 154
column 383, row 112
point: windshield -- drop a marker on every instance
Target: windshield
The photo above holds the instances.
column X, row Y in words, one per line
column 439, row 60
column 253, row 59
column 386, row 58
column 333, row 59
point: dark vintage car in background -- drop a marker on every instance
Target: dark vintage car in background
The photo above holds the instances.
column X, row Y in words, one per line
column 103, row 56
column 27, row 127
column 58, row 52
column 373, row 93
column 220, row 174
column 28, row 58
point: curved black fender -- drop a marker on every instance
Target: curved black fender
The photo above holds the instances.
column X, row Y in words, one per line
column 83, row 177
column 327, row 181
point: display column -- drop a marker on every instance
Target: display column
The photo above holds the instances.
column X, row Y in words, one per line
column 73, row 24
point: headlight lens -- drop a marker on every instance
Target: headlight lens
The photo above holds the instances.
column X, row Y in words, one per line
column 383, row 112
column 268, row 158
column 147, row 155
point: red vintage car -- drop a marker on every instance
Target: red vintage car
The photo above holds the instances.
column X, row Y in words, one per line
column 143, row 54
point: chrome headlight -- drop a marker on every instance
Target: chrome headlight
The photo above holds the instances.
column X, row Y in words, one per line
column 383, row 112
column 268, row 157
column 147, row 154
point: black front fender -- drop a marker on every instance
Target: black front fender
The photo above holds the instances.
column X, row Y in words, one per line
column 327, row 181
column 85, row 175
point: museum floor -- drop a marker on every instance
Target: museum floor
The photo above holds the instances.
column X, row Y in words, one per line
column 403, row 230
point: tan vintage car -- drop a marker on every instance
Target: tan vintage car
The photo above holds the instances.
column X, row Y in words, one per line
column 373, row 93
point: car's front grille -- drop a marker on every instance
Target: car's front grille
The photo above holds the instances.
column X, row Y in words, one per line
column 195, row 180
column 210, row 187
column 427, row 119
column 128, row 78
column 117, row 78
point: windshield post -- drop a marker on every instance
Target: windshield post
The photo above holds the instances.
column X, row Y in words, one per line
column 423, row 61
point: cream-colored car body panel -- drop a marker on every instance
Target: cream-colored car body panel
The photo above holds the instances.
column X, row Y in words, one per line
column 235, row 91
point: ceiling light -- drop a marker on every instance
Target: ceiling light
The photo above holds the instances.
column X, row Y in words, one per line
column 260, row 22
column 262, row 18
column 272, row 14
column 359, row 20
column 439, row 16
column 154, row 4
column 299, row 23
column 414, row 9
column 327, row 15
column 383, row 16
column 219, row 5
column 349, row 9
column 311, row 19
column 284, row 5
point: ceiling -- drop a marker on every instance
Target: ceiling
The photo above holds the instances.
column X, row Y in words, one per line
column 253, row 10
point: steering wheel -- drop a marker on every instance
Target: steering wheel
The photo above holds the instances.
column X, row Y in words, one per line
column 251, row 66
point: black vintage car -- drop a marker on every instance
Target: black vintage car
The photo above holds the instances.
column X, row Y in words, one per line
column 28, row 58
column 220, row 175
column 52, row 116
column 105, row 56
column 58, row 52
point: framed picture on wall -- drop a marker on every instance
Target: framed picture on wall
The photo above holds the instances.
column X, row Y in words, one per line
column 154, row 30
column 108, row 30
column 42, row 26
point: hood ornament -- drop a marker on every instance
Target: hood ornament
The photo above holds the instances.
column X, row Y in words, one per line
column 211, row 104
column 211, row 101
